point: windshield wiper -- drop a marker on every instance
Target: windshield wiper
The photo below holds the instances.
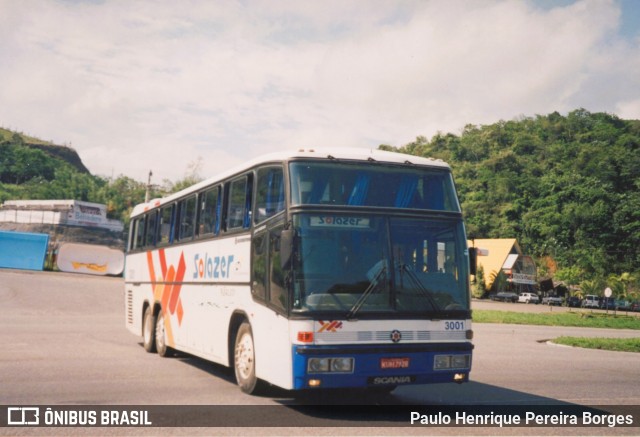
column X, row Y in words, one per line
column 418, row 285
column 375, row 281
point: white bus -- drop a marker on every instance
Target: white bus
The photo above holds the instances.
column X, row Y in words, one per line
column 309, row 270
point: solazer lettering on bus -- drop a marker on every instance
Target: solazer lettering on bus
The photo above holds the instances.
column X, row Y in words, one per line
column 207, row 267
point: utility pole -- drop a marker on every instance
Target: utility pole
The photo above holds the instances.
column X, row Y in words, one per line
column 147, row 193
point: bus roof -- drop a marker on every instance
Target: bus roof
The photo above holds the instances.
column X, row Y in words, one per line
column 355, row 154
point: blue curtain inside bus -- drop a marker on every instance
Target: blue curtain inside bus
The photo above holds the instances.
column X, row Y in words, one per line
column 315, row 183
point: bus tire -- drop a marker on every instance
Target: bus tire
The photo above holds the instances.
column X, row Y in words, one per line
column 149, row 330
column 244, row 361
column 161, row 337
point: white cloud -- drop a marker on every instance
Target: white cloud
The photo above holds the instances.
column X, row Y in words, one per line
column 628, row 109
column 143, row 85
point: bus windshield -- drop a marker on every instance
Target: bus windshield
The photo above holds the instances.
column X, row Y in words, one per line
column 359, row 265
column 378, row 185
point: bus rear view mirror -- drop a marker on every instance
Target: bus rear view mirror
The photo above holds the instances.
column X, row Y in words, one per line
column 286, row 248
column 473, row 260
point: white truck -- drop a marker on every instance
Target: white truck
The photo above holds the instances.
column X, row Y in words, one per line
column 591, row 301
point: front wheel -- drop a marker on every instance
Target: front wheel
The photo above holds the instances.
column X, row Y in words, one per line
column 245, row 360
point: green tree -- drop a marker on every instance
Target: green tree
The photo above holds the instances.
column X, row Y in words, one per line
column 479, row 286
column 591, row 286
column 499, row 281
column 567, row 187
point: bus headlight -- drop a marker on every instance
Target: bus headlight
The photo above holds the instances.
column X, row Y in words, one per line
column 342, row 365
column 460, row 361
column 317, row 365
column 443, row 362
column 326, row 365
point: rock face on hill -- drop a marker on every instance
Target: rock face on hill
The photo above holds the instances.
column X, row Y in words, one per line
column 62, row 152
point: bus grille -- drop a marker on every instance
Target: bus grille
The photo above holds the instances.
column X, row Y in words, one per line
column 385, row 336
column 129, row 307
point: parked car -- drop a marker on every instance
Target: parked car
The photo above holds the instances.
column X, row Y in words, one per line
column 608, row 303
column 552, row 300
column 504, row 296
column 635, row 306
column 591, row 301
column 528, row 298
column 623, row 305
column 574, row 301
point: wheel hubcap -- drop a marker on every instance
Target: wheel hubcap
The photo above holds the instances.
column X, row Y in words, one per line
column 160, row 332
column 244, row 356
column 147, row 329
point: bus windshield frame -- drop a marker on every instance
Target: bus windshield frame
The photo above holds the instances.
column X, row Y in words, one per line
column 366, row 249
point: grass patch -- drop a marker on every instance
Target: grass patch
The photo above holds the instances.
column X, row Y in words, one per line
column 576, row 319
column 610, row 344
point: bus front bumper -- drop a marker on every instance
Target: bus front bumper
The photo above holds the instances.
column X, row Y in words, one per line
column 361, row 366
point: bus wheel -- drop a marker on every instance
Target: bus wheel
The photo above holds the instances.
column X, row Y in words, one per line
column 161, row 337
column 245, row 360
column 149, row 330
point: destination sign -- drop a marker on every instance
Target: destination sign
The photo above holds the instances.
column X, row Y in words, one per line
column 340, row 222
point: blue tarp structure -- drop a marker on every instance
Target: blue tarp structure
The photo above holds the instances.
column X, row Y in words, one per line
column 19, row 250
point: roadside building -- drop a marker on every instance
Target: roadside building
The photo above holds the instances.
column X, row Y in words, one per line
column 502, row 259
column 64, row 221
column 80, row 238
column 59, row 212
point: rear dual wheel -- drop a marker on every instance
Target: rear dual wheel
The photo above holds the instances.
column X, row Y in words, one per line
column 149, row 330
column 161, row 337
column 154, row 336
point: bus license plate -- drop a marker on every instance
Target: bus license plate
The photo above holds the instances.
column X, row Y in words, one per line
column 394, row 363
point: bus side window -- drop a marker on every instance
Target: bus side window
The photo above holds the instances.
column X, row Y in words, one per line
column 269, row 193
column 277, row 288
column 165, row 226
column 209, row 217
column 239, row 208
column 187, row 216
column 137, row 232
column 259, row 266
column 150, row 229
column 267, row 274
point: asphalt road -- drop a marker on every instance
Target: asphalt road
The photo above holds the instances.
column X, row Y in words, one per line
column 64, row 343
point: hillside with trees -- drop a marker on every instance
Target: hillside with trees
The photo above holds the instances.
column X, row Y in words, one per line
column 34, row 169
column 567, row 187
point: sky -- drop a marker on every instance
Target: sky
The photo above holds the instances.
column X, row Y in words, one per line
column 169, row 86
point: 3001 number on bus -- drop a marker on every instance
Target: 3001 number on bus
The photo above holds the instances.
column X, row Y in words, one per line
column 454, row 325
